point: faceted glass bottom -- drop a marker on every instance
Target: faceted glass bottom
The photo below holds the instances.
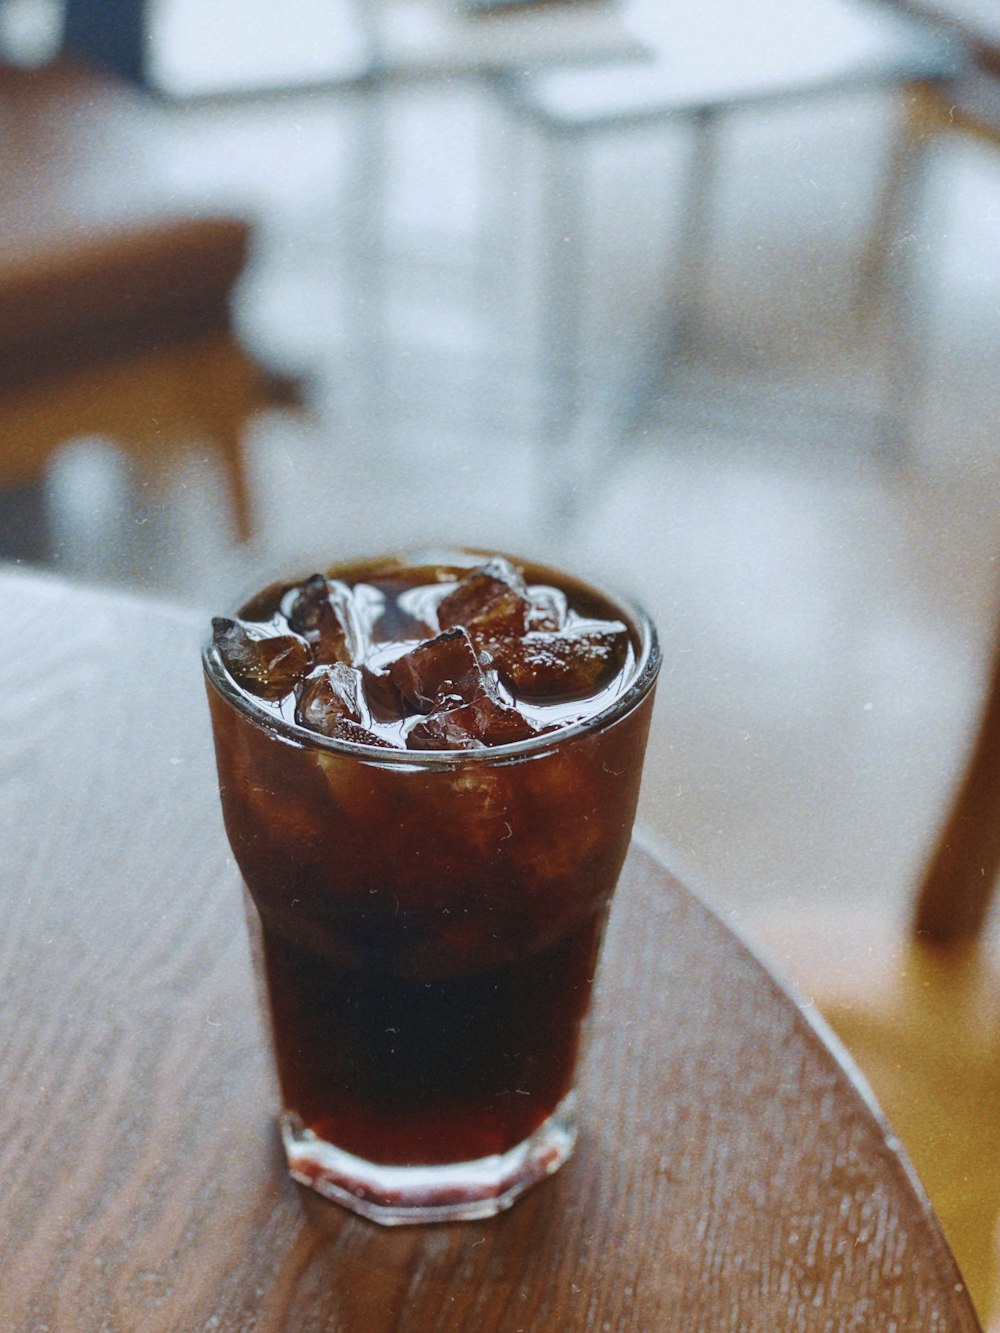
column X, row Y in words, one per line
column 457, row 1192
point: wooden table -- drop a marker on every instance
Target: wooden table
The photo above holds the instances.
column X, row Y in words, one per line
column 183, row 49
column 731, row 1175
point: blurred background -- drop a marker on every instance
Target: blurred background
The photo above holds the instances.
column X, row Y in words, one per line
column 690, row 297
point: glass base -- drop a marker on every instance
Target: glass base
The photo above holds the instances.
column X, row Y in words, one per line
column 457, row 1192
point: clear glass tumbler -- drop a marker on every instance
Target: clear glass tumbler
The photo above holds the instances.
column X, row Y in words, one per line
column 428, row 926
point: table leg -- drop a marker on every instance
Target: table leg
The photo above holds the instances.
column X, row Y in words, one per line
column 561, row 323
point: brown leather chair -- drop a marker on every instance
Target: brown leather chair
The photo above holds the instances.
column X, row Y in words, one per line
column 115, row 304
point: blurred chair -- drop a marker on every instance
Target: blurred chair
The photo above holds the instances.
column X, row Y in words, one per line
column 962, row 873
column 967, row 105
column 709, row 61
column 115, row 300
column 918, row 1008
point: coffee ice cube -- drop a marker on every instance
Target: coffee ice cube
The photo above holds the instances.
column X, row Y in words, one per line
column 323, row 612
column 381, row 694
column 345, row 729
column 260, row 658
column 328, row 694
column 491, row 600
column 469, row 726
column 445, row 667
column 332, row 701
column 566, row 664
column 548, row 609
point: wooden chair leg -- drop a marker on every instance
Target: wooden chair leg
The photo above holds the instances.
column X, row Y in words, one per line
column 962, row 873
column 224, row 389
column 228, row 436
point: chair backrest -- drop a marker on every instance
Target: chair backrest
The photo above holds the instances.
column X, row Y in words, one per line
column 96, row 257
column 961, row 875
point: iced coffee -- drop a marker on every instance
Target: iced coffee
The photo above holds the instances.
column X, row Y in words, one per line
column 429, row 769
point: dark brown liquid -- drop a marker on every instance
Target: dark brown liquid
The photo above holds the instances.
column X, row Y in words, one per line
column 402, row 1072
column 430, row 935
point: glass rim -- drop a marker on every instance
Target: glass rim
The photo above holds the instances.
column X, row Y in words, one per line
column 645, row 672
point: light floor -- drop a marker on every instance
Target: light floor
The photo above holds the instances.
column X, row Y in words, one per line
column 824, row 613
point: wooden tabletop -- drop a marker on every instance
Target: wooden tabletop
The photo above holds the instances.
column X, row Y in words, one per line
column 439, row 38
column 730, row 1174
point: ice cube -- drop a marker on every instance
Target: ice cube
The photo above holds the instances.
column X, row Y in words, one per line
column 382, row 695
column 469, row 726
column 260, row 658
column 323, row 612
column 344, row 729
column 442, row 667
column 332, row 702
column 443, row 731
column 567, row 664
column 548, row 609
column 329, row 694
column 491, row 600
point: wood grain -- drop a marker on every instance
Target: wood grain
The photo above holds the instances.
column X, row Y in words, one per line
column 730, row 1175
